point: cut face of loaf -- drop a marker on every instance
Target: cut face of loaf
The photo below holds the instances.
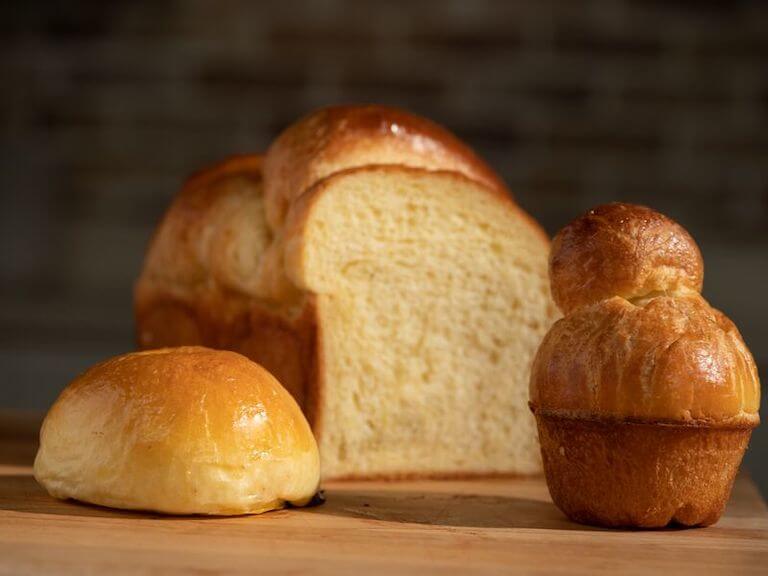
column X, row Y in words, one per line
column 431, row 297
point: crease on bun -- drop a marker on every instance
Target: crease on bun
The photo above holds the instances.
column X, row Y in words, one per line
column 638, row 342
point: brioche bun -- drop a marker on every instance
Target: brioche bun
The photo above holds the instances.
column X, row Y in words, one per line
column 181, row 431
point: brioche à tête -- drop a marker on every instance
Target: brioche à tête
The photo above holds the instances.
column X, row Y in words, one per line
column 645, row 395
column 179, row 431
column 382, row 272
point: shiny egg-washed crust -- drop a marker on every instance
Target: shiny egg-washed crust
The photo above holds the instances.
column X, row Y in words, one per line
column 185, row 430
column 672, row 359
column 341, row 137
column 620, row 474
column 622, row 250
column 650, row 349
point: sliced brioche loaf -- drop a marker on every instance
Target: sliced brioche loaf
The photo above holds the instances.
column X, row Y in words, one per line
column 383, row 274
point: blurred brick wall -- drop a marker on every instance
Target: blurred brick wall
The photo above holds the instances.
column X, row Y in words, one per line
column 106, row 106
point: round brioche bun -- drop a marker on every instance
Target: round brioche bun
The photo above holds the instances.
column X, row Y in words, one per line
column 180, row 431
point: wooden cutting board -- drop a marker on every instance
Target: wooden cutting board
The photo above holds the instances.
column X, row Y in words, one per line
column 370, row 528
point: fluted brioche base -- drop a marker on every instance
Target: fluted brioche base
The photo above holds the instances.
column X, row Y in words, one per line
column 639, row 475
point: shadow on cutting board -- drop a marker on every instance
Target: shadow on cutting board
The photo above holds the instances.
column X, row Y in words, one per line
column 21, row 493
column 446, row 509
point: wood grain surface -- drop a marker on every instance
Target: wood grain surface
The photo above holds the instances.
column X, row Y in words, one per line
column 451, row 527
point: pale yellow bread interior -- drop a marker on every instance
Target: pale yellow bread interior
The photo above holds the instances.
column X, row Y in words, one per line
column 432, row 297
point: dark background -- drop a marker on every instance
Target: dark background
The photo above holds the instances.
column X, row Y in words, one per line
column 106, row 106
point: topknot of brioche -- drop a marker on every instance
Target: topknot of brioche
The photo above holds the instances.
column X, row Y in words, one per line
column 622, row 250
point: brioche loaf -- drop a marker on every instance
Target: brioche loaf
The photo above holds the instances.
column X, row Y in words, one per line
column 181, row 431
column 645, row 396
column 382, row 272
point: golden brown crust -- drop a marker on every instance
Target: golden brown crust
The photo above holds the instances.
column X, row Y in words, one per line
column 638, row 341
column 283, row 345
column 341, row 137
column 195, row 237
column 671, row 359
column 622, row 250
column 184, row 370
column 185, row 430
column 195, row 290
column 238, row 165
column 639, row 475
